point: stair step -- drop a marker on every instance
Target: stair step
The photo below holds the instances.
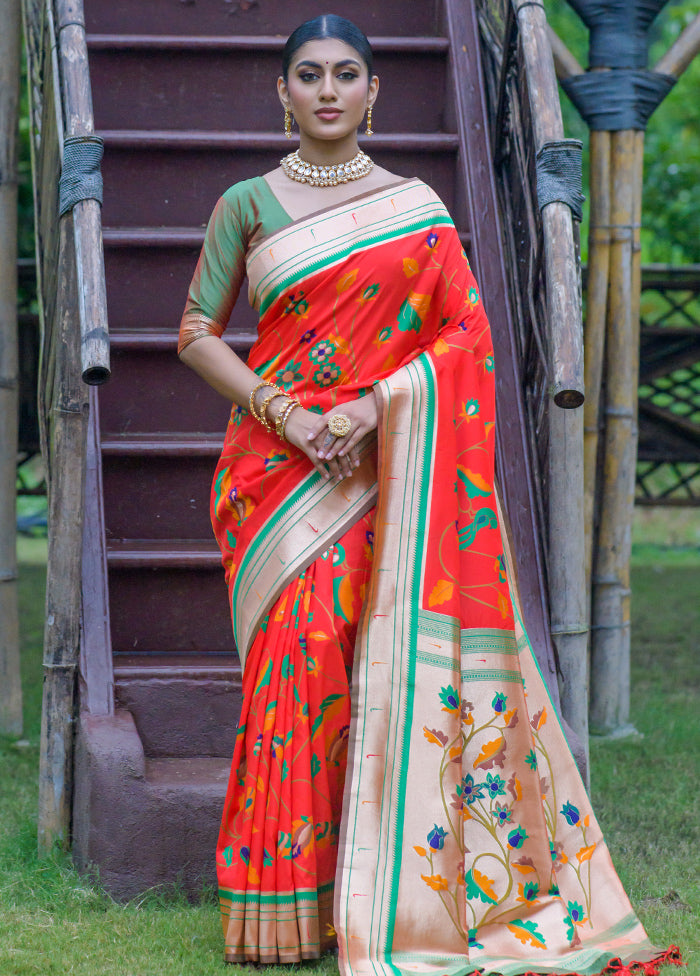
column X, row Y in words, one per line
column 162, row 179
column 167, row 341
column 186, row 83
column 147, row 284
column 184, row 705
column 254, row 19
column 168, row 596
column 193, row 667
column 189, row 237
column 170, row 553
column 170, row 475
column 405, row 142
column 151, row 390
column 167, row 444
column 247, row 42
column 208, row 774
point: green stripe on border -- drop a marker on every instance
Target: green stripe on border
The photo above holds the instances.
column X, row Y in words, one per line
column 492, row 674
column 334, row 256
column 426, row 436
column 292, row 898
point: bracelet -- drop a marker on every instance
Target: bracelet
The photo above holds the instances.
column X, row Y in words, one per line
column 281, row 422
column 260, row 415
column 251, row 398
column 263, row 409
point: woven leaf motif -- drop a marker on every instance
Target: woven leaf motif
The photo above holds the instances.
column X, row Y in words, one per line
column 319, row 635
column 441, row 593
column 527, row 933
column 492, row 754
column 435, row 881
column 435, row 736
column 585, row 854
column 346, row 281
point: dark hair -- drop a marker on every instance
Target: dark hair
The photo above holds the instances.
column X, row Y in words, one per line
column 327, row 25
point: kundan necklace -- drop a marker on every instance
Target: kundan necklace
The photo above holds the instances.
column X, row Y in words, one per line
column 298, row 169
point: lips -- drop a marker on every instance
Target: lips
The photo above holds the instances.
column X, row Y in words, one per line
column 328, row 114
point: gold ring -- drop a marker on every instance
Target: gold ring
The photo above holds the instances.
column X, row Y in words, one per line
column 339, row 425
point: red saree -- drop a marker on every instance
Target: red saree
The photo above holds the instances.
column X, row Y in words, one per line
column 466, row 839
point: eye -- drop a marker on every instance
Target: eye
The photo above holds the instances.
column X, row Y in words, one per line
column 347, row 76
column 308, row 76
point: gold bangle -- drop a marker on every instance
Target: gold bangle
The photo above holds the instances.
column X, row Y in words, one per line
column 260, row 415
column 281, row 422
column 251, row 398
column 264, row 420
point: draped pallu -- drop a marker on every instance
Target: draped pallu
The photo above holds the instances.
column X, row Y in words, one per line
column 466, row 838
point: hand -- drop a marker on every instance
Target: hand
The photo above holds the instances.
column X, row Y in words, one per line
column 333, row 457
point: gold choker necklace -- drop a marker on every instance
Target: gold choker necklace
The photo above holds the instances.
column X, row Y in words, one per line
column 315, row 175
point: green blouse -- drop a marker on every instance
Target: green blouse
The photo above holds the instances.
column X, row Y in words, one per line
column 246, row 213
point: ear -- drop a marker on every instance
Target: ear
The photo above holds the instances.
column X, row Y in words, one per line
column 283, row 92
column 372, row 91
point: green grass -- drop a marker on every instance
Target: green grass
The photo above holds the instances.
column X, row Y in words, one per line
column 645, row 792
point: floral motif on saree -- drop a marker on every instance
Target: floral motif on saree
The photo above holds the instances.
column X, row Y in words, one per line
column 466, row 839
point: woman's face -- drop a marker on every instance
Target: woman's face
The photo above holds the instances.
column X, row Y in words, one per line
column 327, row 89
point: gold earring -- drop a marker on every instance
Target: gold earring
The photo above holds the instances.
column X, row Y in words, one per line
column 288, row 123
column 368, row 130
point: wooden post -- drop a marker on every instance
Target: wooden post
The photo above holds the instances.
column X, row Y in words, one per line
column 87, row 215
column 567, row 585
column 66, row 431
column 10, row 683
column 596, row 307
column 610, row 634
column 610, row 630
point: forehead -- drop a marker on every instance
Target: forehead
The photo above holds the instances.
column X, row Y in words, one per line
column 326, row 49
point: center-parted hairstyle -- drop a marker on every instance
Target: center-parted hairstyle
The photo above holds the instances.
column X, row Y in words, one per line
column 327, row 25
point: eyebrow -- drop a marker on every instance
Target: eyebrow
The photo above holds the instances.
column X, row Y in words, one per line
column 338, row 64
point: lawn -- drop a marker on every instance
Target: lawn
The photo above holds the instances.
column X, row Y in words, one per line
column 645, row 791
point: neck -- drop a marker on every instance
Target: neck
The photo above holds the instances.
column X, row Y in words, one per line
column 324, row 153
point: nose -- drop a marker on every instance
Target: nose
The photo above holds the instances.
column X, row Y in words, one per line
column 327, row 89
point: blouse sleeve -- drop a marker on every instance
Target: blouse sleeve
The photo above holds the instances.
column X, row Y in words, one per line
column 218, row 276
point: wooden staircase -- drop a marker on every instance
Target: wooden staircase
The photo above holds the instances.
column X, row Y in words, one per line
column 184, row 97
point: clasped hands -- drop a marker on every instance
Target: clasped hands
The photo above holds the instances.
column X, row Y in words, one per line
column 333, row 457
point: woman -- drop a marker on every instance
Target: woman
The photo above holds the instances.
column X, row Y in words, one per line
column 355, row 510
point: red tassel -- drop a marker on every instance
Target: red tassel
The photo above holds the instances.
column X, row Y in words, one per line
column 616, row 967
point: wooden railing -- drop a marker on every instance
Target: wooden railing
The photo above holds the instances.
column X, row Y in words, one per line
column 74, row 351
column 541, row 247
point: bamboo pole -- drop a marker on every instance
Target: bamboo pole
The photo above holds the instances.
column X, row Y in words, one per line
column 10, row 683
column 87, row 215
column 565, row 63
column 682, row 51
column 596, row 308
column 67, row 429
column 566, row 556
column 610, row 631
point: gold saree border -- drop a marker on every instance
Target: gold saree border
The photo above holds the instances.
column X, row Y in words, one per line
column 370, row 822
column 324, row 240
column 401, row 655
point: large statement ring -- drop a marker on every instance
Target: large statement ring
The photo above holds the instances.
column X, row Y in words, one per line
column 339, row 425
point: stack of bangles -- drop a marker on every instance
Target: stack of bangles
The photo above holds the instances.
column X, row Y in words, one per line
column 338, row 425
column 282, row 417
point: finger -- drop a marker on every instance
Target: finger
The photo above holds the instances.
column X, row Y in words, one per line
column 352, row 440
column 346, row 466
column 334, row 470
column 326, row 445
column 320, row 425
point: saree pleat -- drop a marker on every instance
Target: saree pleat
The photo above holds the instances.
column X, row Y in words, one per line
column 277, row 848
